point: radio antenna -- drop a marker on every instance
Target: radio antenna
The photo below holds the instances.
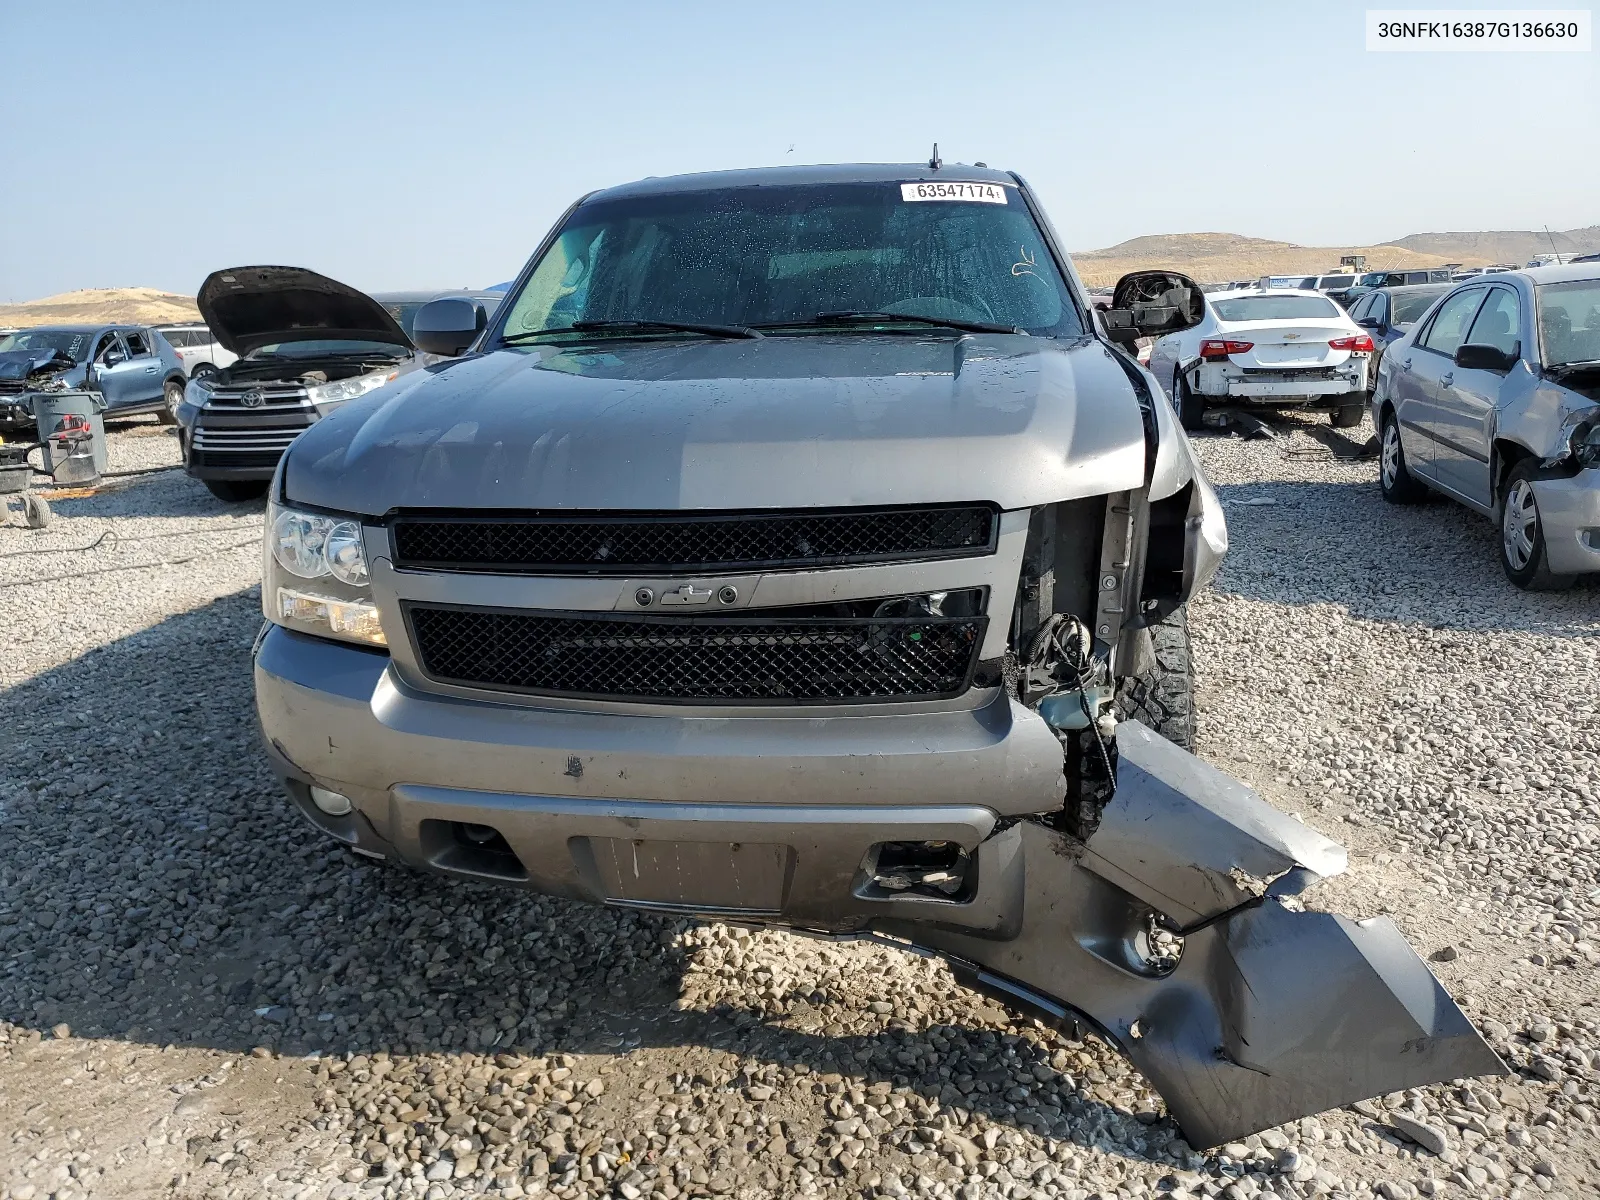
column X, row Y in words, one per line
column 935, row 162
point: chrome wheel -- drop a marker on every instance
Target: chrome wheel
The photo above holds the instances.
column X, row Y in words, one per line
column 1519, row 525
column 1391, row 454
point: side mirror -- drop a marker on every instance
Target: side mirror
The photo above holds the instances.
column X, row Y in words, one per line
column 113, row 357
column 1370, row 323
column 1153, row 303
column 1475, row 356
column 448, row 326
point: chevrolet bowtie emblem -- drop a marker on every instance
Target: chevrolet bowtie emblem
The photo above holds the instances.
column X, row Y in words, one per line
column 686, row 594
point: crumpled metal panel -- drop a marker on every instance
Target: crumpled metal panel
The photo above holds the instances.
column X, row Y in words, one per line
column 1272, row 1013
column 1191, row 841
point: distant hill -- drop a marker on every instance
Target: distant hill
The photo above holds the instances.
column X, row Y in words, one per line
column 1219, row 257
column 133, row 306
column 1512, row 247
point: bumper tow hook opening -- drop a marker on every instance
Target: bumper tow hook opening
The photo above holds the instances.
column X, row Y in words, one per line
column 934, row 869
column 1158, row 947
column 471, row 849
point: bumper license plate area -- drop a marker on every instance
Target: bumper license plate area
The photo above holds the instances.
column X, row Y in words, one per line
column 751, row 877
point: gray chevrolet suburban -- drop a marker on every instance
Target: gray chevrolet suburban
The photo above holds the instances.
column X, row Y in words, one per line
column 799, row 546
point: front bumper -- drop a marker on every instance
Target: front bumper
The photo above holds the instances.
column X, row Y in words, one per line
column 246, row 444
column 1569, row 510
column 1271, row 1012
column 561, row 785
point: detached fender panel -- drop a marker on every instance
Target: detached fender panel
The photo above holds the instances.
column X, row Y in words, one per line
column 1272, row 1013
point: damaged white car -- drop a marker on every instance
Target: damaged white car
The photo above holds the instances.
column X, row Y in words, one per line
column 1275, row 349
column 798, row 546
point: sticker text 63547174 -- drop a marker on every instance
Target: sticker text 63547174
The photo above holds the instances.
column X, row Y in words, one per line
column 981, row 193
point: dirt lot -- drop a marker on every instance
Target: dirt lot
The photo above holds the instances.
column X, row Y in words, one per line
column 198, row 997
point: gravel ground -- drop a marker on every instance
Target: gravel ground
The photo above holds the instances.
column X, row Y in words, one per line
column 199, row 997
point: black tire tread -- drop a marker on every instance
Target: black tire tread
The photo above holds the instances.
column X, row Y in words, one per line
column 1163, row 697
column 1191, row 408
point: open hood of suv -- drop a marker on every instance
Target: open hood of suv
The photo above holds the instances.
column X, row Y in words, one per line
column 251, row 307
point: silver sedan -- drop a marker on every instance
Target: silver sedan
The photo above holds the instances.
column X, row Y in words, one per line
column 1493, row 399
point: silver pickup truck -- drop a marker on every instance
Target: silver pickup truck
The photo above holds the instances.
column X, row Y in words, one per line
column 798, row 546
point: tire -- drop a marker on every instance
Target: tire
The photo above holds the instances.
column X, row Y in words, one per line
column 1163, row 697
column 1522, row 544
column 171, row 397
column 35, row 511
column 202, row 371
column 236, row 490
column 1399, row 485
column 1191, row 408
column 1346, row 416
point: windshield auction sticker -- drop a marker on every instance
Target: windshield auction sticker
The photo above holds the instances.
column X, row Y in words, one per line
column 980, row 193
column 1480, row 30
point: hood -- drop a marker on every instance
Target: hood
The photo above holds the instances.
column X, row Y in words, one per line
column 250, row 307
column 781, row 422
column 19, row 364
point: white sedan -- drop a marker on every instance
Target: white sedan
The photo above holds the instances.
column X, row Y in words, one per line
column 1277, row 348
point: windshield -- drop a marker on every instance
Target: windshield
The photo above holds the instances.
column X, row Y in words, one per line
column 74, row 343
column 780, row 255
column 1273, row 308
column 1569, row 321
column 329, row 348
column 1408, row 306
column 404, row 314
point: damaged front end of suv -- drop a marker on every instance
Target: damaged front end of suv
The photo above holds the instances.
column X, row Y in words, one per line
column 797, row 547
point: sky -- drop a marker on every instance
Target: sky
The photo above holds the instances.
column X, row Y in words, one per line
column 431, row 144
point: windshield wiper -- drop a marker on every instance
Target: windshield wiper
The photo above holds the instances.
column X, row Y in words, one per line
column 852, row 317
column 1582, row 364
column 734, row 331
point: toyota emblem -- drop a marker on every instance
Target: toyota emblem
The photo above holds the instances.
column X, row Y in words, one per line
column 253, row 398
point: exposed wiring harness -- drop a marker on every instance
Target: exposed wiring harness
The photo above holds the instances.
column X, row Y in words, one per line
column 1062, row 644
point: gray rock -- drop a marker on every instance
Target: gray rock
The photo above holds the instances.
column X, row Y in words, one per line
column 1430, row 1137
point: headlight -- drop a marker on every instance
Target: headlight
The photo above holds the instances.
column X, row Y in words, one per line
column 316, row 578
column 325, row 394
column 197, row 392
column 1585, row 443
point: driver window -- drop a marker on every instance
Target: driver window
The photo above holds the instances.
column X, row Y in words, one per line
column 1497, row 323
column 1450, row 323
column 109, row 349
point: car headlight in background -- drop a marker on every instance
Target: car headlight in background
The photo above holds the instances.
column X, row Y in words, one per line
column 1585, row 443
column 324, row 395
column 316, row 578
column 197, row 392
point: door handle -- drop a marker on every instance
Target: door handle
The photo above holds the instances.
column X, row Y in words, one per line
column 1447, row 378
column 150, row 370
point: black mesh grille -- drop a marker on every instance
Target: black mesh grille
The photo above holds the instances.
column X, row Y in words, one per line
column 691, row 541
column 707, row 659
